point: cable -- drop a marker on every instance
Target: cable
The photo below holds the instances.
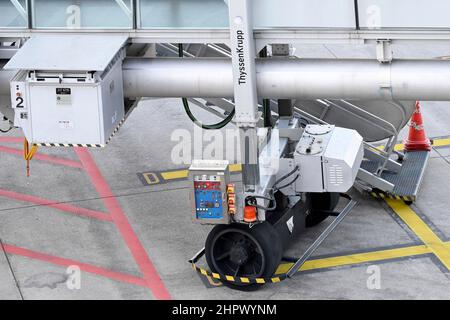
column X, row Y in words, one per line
column 289, row 184
column 275, row 189
column 285, row 177
column 215, row 126
column 273, row 207
column 264, row 198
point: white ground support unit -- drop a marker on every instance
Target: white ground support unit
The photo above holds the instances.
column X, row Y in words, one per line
column 64, row 100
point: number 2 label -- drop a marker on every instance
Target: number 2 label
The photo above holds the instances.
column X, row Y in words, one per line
column 19, row 101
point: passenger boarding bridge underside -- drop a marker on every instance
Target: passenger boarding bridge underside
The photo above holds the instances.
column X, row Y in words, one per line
column 72, row 71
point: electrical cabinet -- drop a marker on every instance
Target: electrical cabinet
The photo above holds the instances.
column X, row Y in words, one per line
column 74, row 101
column 209, row 196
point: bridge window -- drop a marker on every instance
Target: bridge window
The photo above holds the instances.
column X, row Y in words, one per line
column 183, row 14
column 13, row 14
column 83, row 14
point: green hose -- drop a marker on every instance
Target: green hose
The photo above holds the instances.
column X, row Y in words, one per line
column 215, row 126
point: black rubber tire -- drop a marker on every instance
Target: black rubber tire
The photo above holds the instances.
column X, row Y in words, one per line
column 266, row 237
column 320, row 202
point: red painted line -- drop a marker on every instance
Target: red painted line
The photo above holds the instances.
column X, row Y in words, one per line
column 42, row 157
column 150, row 273
column 11, row 139
column 68, row 262
column 55, row 205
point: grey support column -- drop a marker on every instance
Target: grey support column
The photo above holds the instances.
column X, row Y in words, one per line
column 245, row 94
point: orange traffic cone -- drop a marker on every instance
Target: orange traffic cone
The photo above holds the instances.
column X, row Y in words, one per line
column 417, row 139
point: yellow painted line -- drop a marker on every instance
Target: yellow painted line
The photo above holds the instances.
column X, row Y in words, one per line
column 399, row 147
column 436, row 143
column 422, row 230
column 171, row 175
column 441, row 142
column 432, row 244
column 358, row 258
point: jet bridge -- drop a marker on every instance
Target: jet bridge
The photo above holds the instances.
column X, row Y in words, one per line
column 71, row 71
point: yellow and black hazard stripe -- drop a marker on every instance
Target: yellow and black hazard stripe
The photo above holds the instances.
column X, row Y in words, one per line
column 67, row 145
column 119, row 125
column 238, row 280
column 232, row 279
column 385, row 195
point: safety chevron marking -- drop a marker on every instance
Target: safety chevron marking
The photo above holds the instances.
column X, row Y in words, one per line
column 385, row 195
column 67, row 145
column 238, row 280
column 116, row 129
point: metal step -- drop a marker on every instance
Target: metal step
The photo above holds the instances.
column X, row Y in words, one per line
column 407, row 181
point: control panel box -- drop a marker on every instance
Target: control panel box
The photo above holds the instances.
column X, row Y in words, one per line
column 328, row 158
column 209, row 197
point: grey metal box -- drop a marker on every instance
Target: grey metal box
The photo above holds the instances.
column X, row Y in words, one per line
column 329, row 159
column 70, row 112
column 70, row 101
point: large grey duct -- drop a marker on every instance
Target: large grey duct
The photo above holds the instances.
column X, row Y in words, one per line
column 291, row 79
column 401, row 80
column 365, row 81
